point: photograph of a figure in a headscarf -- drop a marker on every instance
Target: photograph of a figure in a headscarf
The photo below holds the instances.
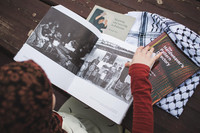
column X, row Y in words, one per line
column 63, row 40
column 99, row 20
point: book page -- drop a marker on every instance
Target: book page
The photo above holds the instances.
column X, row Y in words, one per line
column 64, row 38
column 112, row 23
column 59, row 44
column 103, row 82
column 57, row 74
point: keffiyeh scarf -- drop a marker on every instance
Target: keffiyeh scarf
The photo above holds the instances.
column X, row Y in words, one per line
column 149, row 26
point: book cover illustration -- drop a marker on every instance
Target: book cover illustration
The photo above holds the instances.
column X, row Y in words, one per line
column 172, row 68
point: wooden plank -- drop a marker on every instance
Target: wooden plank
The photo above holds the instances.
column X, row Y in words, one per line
column 167, row 122
column 84, row 7
column 61, row 97
column 17, row 18
column 24, row 10
column 5, row 56
column 185, row 12
column 194, row 102
column 188, row 121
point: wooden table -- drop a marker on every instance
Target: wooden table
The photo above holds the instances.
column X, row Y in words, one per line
column 18, row 17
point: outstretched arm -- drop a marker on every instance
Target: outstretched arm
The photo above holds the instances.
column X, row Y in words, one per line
column 141, row 89
column 102, row 14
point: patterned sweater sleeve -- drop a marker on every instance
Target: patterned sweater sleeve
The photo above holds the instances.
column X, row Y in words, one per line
column 142, row 103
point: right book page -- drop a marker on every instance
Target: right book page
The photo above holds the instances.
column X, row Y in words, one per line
column 171, row 69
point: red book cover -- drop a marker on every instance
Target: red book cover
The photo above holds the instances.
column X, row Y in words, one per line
column 171, row 69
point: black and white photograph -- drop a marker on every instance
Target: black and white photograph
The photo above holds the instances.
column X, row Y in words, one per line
column 105, row 67
column 63, row 40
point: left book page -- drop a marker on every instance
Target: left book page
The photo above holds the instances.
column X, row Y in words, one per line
column 59, row 43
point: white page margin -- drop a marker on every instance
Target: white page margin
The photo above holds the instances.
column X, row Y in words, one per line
column 98, row 99
column 58, row 75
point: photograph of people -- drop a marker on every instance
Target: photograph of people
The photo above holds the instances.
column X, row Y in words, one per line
column 62, row 43
column 103, row 69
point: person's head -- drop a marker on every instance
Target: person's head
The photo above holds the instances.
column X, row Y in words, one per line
column 101, row 20
column 68, row 63
column 69, row 34
column 74, row 44
column 46, row 26
column 97, row 69
column 119, row 68
column 49, row 23
column 93, row 63
column 58, row 35
column 105, row 71
column 25, row 98
column 86, row 62
column 106, row 58
column 115, row 64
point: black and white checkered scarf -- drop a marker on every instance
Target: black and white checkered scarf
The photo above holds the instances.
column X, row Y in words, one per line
column 147, row 27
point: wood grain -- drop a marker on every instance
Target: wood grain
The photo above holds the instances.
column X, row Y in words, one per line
column 18, row 17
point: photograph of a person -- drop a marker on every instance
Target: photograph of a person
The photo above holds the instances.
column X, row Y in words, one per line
column 105, row 68
column 99, row 20
column 61, row 42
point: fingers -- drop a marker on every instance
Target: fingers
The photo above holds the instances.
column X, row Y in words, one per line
column 145, row 50
column 150, row 52
column 143, row 55
column 139, row 49
column 128, row 64
column 157, row 56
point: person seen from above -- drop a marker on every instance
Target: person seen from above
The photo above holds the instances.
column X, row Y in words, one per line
column 27, row 99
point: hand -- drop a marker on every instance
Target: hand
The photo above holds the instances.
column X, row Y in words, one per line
column 144, row 56
column 103, row 13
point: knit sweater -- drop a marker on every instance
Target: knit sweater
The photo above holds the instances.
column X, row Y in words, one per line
column 142, row 103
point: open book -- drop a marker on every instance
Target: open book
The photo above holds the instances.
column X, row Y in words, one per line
column 89, row 65
column 82, row 61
